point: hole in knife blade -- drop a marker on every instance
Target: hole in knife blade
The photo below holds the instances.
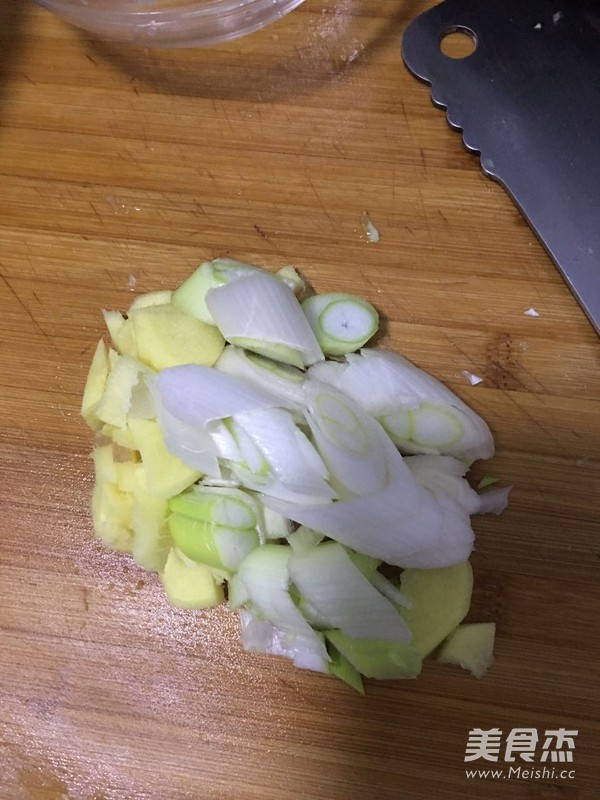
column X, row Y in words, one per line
column 458, row 42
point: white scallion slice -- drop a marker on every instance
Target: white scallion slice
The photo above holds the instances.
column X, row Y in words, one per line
column 304, row 539
column 251, row 458
column 275, row 525
column 330, row 372
column 264, row 573
column 223, row 437
column 418, row 412
column 389, row 590
column 443, row 476
column 237, row 595
column 276, row 457
column 342, row 323
column 493, row 501
column 281, row 380
column 434, row 428
column 326, row 577
column 370, row 230
column 198, row 395
column 348, row 439
column 262, row 314
column 403, row 524
column 261, row 636
column 226, row 481
column 192, row 444
column 191, row 295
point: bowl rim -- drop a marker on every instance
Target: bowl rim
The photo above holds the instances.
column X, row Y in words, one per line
column 191, row 24
column 190, row 8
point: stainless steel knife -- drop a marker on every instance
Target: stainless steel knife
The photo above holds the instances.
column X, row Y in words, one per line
column 528, row 100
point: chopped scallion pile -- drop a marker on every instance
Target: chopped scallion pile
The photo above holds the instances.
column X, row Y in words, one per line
column 250, row 447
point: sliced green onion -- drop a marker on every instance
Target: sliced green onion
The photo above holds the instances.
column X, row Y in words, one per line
column 304, row 539
column 494, row 501
column 399, row 424
column 435, row 428
column 224, row 438
column 271, row 350
column 487, row 480
column 348, row 440
column 403, row 524
column 251, row 460
column 279, row 379
column 370, row 230
column 261, row 636
column 263, row 313
column 326, row 577
column 192, row 444
column 343, row 669
column 275, row 525
column 366, row 565
column 342, row 323
column 291, row 278
column 389, row 590
column 330, row 372
column 317, row 620
column 265, row 575
column 287, row 458
column 191, row 295
column 237, row 594
column 377, row 659
column 214, row 545
column 198, row 395
column 443, row 476
column 230, row 508
column 419, row 413
column 226, row 481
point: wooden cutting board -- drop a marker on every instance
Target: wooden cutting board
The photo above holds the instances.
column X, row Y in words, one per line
column 120, row 170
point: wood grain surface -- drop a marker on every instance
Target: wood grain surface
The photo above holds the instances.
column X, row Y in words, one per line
column 120, row 170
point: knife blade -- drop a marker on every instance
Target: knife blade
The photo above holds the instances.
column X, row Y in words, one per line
column 528, row 100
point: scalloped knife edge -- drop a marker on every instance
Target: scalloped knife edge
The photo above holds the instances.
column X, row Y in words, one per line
column 528, row 100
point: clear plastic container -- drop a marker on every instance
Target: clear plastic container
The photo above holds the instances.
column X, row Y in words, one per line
column 170, row 23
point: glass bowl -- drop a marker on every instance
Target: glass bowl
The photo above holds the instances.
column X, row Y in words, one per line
column 170, row 23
